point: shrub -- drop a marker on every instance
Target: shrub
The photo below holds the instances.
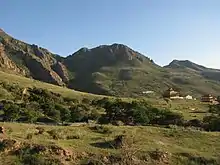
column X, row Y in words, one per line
column 101, row 102
column 194, row 123
column 64, row 112
column 138, row 113
column 56, row 134
column 6, row 143
column 159, row 155
column 31, row 115
column 11, row 112
column 72, row 137
column 50, row 110
column 211, row 123
column 41, row 130
column 79, row 113
column 101, row 129
column 215, row 109
column 29, row 136
column 85, row 101
column 28, row 158
column 167, row 117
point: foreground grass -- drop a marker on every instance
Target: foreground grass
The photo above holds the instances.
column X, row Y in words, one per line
column 176, row 141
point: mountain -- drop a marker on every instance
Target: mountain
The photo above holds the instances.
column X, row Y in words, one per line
column 112, row 70
column 107, row 69
column 208, row 73
column 30, row 60
column 193, row 77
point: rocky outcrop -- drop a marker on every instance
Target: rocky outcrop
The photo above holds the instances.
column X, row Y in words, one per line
column 30, row 60
column 42, row 73
column 7, row 64
column 61, row 70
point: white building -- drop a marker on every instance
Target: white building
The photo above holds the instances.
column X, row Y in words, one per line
column 188, row 97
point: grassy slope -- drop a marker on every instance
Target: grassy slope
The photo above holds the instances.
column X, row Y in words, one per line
column 174, row 140
column 26, row 82
column 183, row 106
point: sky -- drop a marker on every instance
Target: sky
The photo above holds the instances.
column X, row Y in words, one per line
column 160, row 29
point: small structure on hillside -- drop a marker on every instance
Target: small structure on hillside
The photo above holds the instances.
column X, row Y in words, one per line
column 148, row 92
column 189, row 97
column 207, row 98
column 172, row 94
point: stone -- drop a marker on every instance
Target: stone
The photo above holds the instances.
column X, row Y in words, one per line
column 2, row 130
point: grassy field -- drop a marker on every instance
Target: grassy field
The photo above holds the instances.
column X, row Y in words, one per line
column 190, row 109
column 176, row 141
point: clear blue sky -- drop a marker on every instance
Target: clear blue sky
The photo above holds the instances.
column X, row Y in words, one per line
column 161, row 29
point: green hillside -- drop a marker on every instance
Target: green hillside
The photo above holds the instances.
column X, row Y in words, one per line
column 24, row 82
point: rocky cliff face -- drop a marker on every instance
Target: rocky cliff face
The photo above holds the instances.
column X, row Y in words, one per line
column 6, row 64
column 30, row 61
column 61, row 70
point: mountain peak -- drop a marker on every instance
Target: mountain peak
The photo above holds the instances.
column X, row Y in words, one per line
column 185, row 64
column 118, row 45
column 181, row 61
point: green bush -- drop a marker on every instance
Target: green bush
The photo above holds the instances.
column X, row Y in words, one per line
column 11, row 112
column 56, row 134
column 215, row 109
column 64, row 112
column 50, row 110
column 101, row 129
column 138, row 113
column 212, row 123
column 79, row 113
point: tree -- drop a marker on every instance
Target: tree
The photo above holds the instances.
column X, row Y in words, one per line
column 31, row 115
column 79, row 113
column 140, row 116
column 212, row 122
column 11, row 112
column 215, row 109
column 64, row 112
column 50, row 110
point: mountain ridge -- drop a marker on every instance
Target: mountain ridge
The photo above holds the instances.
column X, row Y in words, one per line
column 114, row 69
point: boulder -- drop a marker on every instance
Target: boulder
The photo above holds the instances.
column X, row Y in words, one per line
column 2, row 130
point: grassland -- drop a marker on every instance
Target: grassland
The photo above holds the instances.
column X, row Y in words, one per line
column 176, row 141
